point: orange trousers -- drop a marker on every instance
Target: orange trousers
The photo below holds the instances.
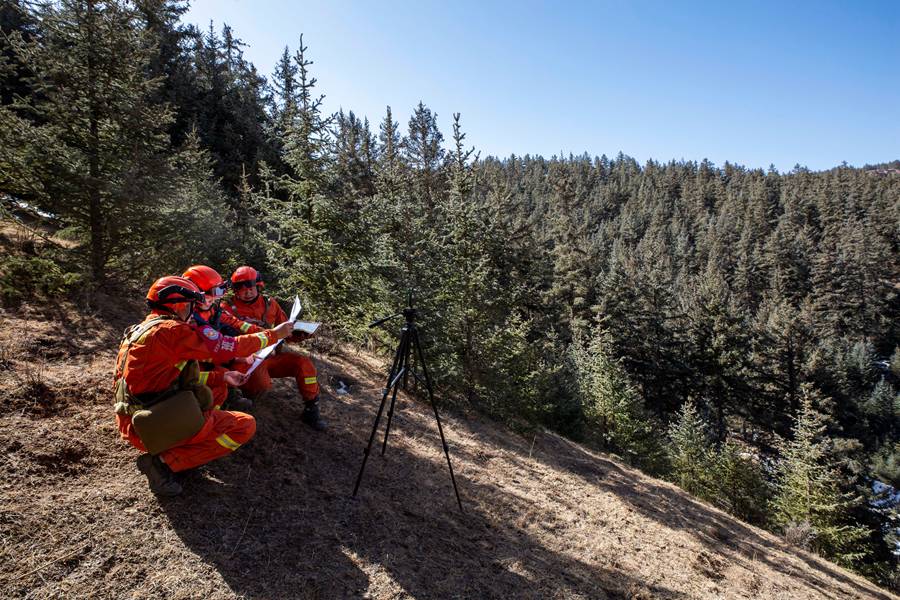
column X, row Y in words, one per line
column 222, row 433
column 284, row 364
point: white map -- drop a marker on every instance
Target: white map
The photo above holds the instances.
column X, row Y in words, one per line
column 268, row 350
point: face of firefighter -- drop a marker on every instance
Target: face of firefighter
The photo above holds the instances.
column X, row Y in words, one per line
column 246, row 294
column 183, row 311
column 207, row 302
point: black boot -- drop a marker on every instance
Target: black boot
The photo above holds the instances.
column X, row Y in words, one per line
column 159, row 475
column 237, row 401
column 311, row 416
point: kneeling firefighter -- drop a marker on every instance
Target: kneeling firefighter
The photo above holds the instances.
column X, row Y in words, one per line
column 210, row 312
column 161, row 407
column 248, row 304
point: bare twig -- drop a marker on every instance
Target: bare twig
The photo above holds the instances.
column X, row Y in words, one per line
column 247, row 522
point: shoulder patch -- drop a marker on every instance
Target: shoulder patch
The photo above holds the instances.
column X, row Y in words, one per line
column 210, row 333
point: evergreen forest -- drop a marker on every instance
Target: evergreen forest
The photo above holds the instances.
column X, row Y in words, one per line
column 732, row 330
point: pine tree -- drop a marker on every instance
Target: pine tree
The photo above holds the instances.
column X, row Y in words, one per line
column 109, row 139
column 614, row 415
column 389, row 164
column 690, row 451
column 284, row 85
column 423, row 152
column 306, row 141
column 808, row 489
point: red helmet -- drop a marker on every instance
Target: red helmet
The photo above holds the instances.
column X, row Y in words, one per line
column 245, row 277
column 208, row 280
column 170, row 291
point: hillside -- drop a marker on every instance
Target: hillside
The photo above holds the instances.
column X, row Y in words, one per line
column 276, row 519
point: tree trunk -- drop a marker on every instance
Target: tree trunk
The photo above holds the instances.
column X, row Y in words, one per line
column 98, row 245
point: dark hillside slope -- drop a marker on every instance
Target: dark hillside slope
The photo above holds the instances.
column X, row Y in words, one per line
column 276, row 521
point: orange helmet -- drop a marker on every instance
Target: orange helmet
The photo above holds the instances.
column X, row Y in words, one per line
column 246, row 277
column 171, row 291
column 208, row 280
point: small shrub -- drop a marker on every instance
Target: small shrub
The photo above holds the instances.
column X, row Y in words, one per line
column 800, row 534
column 23, row 277
column 739, row 485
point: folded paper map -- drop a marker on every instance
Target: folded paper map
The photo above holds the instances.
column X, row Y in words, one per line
column 306, row 326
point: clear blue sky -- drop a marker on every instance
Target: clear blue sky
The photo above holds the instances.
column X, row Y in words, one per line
column 814, row 83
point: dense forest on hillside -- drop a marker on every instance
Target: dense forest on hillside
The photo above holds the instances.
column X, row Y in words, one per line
column 734, row 330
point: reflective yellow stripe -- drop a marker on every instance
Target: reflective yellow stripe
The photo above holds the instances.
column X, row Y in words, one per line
column 309, row 380
column 229, row 443
column 217, row 407
column 263, row 340
column 245, row 327
column 180, row 365
column 204, row 375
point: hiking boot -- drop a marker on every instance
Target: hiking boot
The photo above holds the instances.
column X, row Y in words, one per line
column 311, row 416
column 237, row 401
column 159, row 475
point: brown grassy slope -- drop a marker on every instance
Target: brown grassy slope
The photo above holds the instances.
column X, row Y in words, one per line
column 276, row 520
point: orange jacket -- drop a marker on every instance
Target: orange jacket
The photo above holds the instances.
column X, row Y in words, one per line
column 263, row 311
column 155, row 360
column 226, row 317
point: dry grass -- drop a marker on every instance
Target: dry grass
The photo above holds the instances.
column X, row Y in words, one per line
column 276, row 519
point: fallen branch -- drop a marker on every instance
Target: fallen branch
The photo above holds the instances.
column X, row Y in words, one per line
column 55, row 560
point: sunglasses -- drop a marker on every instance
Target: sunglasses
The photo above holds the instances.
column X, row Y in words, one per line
column 243, row 284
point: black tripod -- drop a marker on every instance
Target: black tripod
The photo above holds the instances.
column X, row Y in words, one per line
column 401, row 369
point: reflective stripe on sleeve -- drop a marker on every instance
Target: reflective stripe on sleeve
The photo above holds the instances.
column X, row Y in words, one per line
column 245, row 327
column 309, row 380
column 227, row 442
column 263, row 340
column 180, row 365
column 204, row 376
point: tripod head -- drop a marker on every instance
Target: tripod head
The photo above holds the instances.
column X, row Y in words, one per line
column 409, row 313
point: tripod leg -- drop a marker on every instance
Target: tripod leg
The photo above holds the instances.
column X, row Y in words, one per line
column 387, row 388
column 437, row 417
column 404, row 368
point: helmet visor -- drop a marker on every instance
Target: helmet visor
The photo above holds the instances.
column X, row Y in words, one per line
column 176, row 294
column 218, row 291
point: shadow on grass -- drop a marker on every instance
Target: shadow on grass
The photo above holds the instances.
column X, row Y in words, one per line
column 277, row 521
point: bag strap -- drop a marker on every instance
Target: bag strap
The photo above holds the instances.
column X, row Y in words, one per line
column 134, row 334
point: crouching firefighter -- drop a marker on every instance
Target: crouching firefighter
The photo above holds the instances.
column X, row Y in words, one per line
column 161, row 407
column 248, row 304
column 209, row 312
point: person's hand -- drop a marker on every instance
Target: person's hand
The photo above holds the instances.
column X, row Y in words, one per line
column 235, row 378
column 284, row 330
column 245, row 360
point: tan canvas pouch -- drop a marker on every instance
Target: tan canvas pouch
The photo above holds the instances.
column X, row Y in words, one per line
column 204, row 396
column 169, row 422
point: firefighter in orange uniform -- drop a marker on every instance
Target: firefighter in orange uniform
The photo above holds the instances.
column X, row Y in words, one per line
column 248, row 304
column 210, row 313
column 156, row 401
